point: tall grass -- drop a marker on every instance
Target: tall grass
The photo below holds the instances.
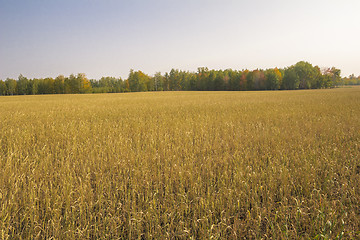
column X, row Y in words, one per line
column 181, row 165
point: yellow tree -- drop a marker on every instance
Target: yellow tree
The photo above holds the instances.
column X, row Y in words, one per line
column 85, row 84
column 279, row 75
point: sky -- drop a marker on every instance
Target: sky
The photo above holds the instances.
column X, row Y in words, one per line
column 46, row 38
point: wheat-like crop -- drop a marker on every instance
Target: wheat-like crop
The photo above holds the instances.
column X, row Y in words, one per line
column 181, row 165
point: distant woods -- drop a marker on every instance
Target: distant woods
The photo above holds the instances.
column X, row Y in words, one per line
column 302, row 75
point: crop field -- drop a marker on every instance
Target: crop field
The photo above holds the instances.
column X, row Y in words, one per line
column 181, row 165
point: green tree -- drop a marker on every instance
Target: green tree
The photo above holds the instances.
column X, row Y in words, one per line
column 29, row 87
column 105, row 84
column 186, row 78
column 11, row 86
column 192, row 81
column 351, row 80
column 22, row 85
column 319, row 79
column 235, row 80
column 306, row 74
column 158, row 81
column 327, row 78
column 2, row 88
column 202, row 77
column 35, row 86
column 335, row 76
column 249, row 81
column 59, row 84
column 119, row 85
column 138, row 81
column 272, row 79
column 219, row 81
column 174, row 80
column 72, row 84
column 291, row 79
column 49, row 85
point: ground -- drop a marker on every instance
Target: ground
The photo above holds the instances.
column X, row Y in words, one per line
column 228, row 165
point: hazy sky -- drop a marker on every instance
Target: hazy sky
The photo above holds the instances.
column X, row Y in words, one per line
column 41, row 38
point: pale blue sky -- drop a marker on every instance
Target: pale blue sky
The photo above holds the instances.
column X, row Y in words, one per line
column 41, row 38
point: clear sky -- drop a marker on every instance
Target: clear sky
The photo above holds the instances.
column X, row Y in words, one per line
column 46, row 38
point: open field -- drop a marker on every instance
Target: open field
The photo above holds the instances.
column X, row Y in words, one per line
column 181, row 165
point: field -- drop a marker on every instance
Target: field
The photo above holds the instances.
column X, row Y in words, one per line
column 181, row 165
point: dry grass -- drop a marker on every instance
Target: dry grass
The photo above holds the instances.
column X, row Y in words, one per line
column 181, row 165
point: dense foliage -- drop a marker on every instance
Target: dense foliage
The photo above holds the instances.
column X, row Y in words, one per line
column 351, row 80
column 299, row 76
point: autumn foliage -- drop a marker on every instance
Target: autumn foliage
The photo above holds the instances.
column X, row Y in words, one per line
column 302, row 75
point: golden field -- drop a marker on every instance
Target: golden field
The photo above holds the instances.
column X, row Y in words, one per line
column 181, row 165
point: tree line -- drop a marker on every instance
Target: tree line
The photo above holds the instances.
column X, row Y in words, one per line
column 351, row 80
column 302, row 75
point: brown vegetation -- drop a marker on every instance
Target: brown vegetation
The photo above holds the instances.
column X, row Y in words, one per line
column 181, row 165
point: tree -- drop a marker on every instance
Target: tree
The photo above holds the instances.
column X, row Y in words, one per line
column 219, row 81
column 158, row 81
column 174, row 80
column 249, row 81
column 259, row 81
column 202, row 76
column 306, row 74
column 186, row 80
column 59, row 86
column 243, row 80
column 119, row 85
column 351, row 80
column 35, row 86
column 29, row 89
column 226, row 79
column 72, row 84
column 2, row 88
column 319, row 79
column 22, row 85
column 331, row 77
column 166, row 82
column 272, row 79
column 11, row 86
column 105, row 84
column 302, row 75
column 138, row 81
column 210, row 81
column 279, row 75
column 335, row 76
column 192, row 81
column 48, row 86
column 84, row 83
column 234, row 80
column 126, row 86
column 291, row 79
